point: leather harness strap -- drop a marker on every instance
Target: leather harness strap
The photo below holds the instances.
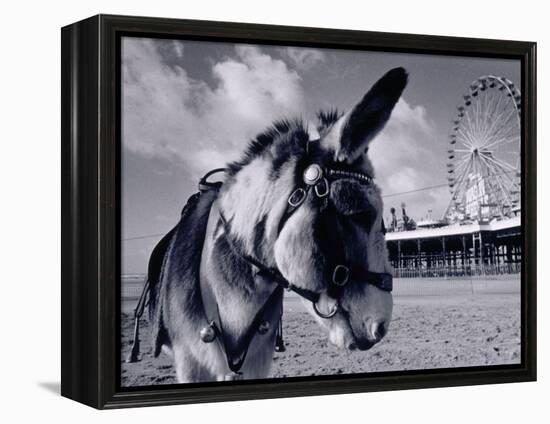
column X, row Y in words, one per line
column 272, row 274
column 236, row 357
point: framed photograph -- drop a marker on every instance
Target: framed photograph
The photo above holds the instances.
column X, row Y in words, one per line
column 253, row 211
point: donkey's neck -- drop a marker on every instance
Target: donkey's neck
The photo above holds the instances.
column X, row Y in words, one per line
column 238, row 292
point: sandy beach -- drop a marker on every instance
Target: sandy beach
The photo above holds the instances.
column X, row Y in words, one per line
column 457, row 330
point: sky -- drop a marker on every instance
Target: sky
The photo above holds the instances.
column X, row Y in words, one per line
column 190, row 106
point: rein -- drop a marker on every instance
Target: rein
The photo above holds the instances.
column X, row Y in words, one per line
column 272, row 274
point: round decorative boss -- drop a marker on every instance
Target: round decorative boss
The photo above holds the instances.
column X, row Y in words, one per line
column 313, row 174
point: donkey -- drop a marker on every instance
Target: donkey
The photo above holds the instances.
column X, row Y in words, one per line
column 297, row 211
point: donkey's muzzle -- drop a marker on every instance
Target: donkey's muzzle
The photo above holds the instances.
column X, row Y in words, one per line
column 375, row 332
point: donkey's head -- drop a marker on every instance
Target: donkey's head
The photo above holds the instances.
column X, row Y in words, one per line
column 307, row 205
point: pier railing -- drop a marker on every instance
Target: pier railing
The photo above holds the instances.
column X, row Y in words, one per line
column 458, row 271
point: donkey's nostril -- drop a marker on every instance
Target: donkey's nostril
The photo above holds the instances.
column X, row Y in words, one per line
column 352, row 346
column 378, row 330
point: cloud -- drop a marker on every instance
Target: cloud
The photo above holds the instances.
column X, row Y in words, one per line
column 405, row 160
column 168, row 114
column 178, row 48
column 200, row 126
column 304, row 58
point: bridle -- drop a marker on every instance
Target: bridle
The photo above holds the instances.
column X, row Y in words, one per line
column 316, row 181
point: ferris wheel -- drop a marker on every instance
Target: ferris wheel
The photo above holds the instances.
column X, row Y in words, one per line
column 484, row 157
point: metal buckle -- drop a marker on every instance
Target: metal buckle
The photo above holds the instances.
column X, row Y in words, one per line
column 322, row 188
column 330, row 314
column 297, row 197
column 340, row 275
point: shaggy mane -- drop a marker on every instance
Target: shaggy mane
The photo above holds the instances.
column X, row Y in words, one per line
column 289, row 137
column 279, row 133
column 327, row 118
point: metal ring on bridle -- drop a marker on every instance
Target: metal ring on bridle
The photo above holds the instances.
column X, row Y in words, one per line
column 330, row 314
column 297, row 197
column 340, row 275
column 322, row 188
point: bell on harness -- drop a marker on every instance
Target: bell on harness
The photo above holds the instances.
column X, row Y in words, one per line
column 208, row 333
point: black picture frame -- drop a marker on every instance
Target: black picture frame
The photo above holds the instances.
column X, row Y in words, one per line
column 90, row 181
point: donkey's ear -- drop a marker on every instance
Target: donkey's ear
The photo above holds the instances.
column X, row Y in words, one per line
column 370, row 115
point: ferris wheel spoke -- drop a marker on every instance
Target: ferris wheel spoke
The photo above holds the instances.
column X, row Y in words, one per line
column 488, row 110
column 492, row 169
column 502, row 105
column 477, row 115
column 499, row 181
column 464, row 140
column 496, row 113
column 500, row 163
column 509, row 175
column 498, row 146
column 482, row 112
column 514, row 185
column 502, row 136
column 505, row 117
column 466, row 137
column 456, row 197
column 469, row 128
column 462, row 179
column 469, row 118
column 458, row 183
column 504, row 190
column 498, row 128
column 477, row 121
column 504, row 132
column 509, row 152
column 501, row 174
column 504, row 174
column 509, row 132
column 460, row 170
column 501, row 141
column 495, row 190
column 462, row 162
column 497, row 107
